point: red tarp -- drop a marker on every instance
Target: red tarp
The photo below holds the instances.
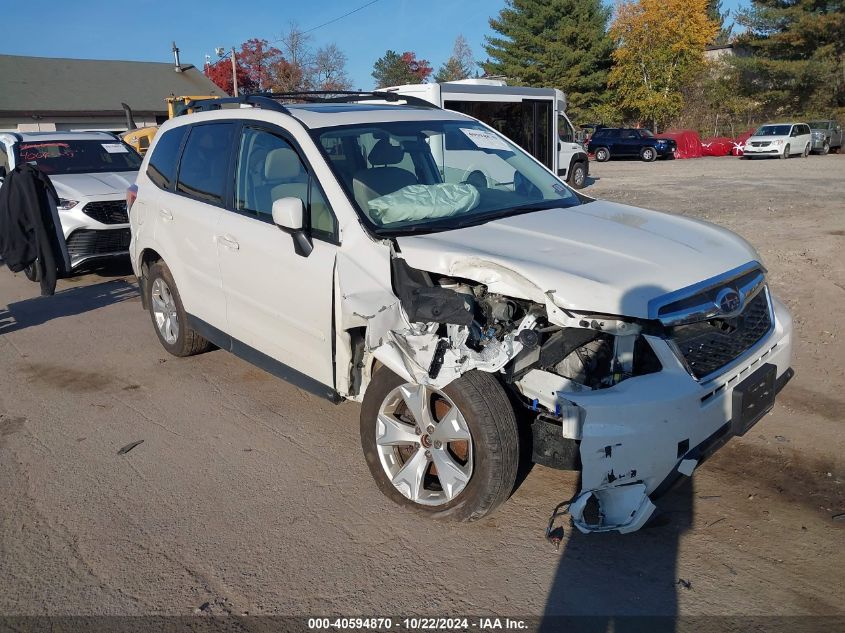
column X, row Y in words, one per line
column 689, row 143
column 739, row 141
column 717, row 146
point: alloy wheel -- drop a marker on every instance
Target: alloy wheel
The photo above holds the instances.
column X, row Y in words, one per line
column 164, row 311
column 424, row 444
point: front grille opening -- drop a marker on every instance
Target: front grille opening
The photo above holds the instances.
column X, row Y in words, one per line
column 708, row 346
column 107, row 211
column 87, row 243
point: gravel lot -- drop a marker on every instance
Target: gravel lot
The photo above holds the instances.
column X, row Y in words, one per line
column 253, row 496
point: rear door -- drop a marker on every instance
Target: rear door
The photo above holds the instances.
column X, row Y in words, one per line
column 185, row 213
column 278, row 302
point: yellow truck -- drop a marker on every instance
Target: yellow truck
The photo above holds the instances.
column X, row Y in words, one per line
column 140, row 138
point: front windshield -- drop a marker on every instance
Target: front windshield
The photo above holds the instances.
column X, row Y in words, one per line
column 773, row 130
column 819, row 125
column 79, row 156
column 409, row 176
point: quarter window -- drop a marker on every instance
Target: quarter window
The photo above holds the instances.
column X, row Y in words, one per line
column 205, row 162
column 162, row 166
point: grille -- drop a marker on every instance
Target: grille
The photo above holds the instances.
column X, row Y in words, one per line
column 107, row 212
column 708, row 346
column 760, row 143
column 87, row 243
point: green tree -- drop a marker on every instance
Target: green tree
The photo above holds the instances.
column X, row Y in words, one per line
column 555, row 44
column 394, row 69
column 797, row 55
column 660, row 48
column 460, row 63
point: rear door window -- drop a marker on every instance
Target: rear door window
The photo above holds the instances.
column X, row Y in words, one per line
column 162, row 166
column 205, row 162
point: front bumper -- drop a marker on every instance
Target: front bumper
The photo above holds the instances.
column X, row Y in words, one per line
column 94, row 235
column 644, row 432
column 819, row 142
column 771, row 150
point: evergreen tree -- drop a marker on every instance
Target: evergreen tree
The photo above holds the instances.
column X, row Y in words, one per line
column 797, row 55
column 554, row 44
column 459, row 65
column 714, row 12
column 394, row 69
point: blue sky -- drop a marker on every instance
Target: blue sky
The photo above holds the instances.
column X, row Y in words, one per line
column 143, row 29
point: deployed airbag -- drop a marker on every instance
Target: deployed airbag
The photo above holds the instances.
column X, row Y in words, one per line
column 420, row 202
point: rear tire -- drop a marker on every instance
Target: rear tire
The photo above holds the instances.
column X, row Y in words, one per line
column 168, row 314
column 806, row 152
column 406, row 444
column 602, row 154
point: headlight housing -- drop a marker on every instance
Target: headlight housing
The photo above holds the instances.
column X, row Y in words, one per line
column 65, row 204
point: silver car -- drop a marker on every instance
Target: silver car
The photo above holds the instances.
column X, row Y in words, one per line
column 91, row 172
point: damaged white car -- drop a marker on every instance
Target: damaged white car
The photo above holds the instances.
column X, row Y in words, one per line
column 415, row 260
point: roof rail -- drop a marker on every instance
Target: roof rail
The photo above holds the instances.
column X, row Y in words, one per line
column 271, row 100
column 349, row 96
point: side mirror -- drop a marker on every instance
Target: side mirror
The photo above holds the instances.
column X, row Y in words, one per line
column 288, row 215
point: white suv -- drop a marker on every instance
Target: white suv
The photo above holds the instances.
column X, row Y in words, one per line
column 90, row 171
column 415, row 260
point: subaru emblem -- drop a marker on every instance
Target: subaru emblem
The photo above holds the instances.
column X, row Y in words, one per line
column 728, row 301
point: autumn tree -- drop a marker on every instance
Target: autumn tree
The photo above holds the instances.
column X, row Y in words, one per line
column 220, row 72
column 659, row 47
column 797, row 55
column 394, row 69
column 554, row 44
column 259, row 59
column 460, row 63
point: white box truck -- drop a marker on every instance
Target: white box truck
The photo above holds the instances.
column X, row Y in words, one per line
column 534, row 118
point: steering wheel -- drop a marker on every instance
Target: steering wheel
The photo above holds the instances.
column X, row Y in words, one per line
column 476, row 178
column 525, row 187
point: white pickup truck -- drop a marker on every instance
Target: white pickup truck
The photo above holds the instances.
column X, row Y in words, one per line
column 534, row 118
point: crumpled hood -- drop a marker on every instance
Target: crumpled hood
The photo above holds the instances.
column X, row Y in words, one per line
column 78, row 186
column 598, row 257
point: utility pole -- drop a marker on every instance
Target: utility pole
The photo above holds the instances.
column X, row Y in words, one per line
column 234, row 74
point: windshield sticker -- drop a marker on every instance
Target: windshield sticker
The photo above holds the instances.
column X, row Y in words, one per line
column 115, row 148
column 485, row 140
column 40, row 151
column 559, row 187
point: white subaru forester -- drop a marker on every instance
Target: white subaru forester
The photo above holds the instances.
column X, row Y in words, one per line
column 415, row 260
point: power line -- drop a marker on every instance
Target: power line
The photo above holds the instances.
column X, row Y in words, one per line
column 364, row 6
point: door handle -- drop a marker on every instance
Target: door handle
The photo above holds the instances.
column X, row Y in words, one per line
column 167, row 215
column 229, row 242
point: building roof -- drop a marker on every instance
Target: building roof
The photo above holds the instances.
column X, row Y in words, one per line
column 46, row 85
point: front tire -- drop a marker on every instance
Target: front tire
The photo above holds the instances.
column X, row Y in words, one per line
column 578, row 175
column 785, row 154
column 33, row 271
column 168, row 314
column 602, row 154
column 806, row 151
column 825, row 148
column 447, row 453
column 648, row 154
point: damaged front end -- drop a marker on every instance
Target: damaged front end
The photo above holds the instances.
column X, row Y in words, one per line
column 610, row 396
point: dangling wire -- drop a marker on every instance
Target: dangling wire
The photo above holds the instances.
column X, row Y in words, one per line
column 554, row 535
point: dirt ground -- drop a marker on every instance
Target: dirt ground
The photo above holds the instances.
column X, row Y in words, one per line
column 253, row 496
